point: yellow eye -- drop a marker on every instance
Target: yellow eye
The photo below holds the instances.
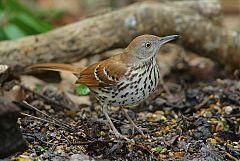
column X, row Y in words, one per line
column 148, row 45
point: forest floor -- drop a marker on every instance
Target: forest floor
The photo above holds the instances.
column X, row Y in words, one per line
column 185, row 119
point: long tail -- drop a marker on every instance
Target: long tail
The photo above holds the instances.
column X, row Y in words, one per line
column 58, row 67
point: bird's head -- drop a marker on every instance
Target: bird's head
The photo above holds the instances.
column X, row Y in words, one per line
column 146, row 46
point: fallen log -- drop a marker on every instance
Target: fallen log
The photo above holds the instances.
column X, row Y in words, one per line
column 116, row 29
column 209, row 9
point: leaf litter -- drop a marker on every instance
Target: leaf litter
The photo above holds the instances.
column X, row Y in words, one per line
column 185, row 120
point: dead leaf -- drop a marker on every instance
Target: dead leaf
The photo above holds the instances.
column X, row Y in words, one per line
column 15, row 94
column 178, row 154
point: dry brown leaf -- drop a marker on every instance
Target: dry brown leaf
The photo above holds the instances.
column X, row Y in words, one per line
column 15, row 94
column 178, row 154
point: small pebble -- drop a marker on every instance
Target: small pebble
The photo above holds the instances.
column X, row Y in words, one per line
column 207, row 114
column 228, row 109
column 47, row 107
column 51, row 111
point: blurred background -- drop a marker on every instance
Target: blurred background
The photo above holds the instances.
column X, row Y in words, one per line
column 19, row 18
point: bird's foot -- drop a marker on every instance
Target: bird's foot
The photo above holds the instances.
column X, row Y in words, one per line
column 132, row 122
column 139, row 129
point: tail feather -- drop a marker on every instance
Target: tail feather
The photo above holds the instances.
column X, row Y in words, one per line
column 58, row 67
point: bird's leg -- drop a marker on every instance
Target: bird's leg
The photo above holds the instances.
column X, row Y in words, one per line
column 115, row 131
column 131, row 121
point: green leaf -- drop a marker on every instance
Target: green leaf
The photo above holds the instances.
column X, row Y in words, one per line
column 27, row 29
column 2, row 13
column 2, row 36
column 37, row 25
column 41, row 149
column 224, row 121
column 157, row 149
column 82, row 90
column 15, row 6
column 21, row 20
column 12, row 31
column 38, row 87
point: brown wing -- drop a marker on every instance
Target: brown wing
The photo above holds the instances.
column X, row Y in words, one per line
column 102, row 74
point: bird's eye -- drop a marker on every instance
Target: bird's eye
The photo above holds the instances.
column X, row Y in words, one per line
column 148, row 45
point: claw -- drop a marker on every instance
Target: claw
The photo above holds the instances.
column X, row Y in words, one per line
column 132, row 122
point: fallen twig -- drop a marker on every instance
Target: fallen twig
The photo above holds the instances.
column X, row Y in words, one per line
column 48, row 100
column 231, row 157
column 91, row 142
column 55, row 121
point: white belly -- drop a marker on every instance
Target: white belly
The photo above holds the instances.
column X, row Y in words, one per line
column 130, row 91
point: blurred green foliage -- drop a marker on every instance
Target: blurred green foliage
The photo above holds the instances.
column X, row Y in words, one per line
column 18, row 20
column 41, row 149
column 82, row 90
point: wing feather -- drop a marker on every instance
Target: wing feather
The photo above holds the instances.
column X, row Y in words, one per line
column 102, row 74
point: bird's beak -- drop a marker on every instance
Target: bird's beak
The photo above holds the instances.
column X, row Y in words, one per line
column 166, row 39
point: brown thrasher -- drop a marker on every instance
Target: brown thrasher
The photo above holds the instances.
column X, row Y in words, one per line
column 124, row 79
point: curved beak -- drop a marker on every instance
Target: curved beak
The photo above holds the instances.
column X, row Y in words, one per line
column 166, row 39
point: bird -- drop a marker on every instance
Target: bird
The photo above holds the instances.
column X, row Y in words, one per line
column 124, row 79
